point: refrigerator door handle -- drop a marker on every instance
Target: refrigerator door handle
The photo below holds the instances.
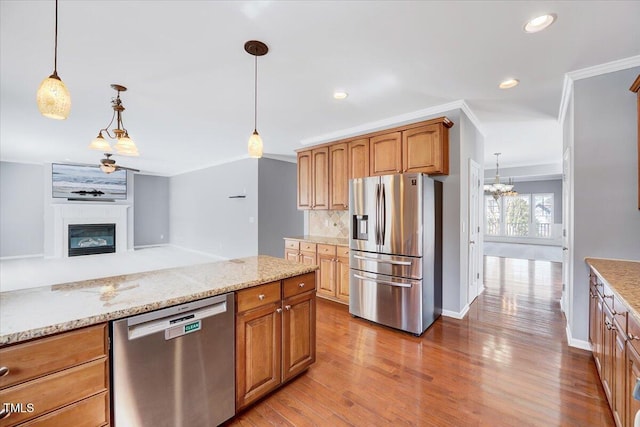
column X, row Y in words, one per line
column 383, row 208
column 377, row 230
column 383, row 282
column 382, row 261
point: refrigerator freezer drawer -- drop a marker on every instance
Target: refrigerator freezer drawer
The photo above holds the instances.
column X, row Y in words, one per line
column 390, row 301
column 389, row 265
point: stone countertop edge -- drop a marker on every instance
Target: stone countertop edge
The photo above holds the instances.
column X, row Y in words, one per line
column 338, row 241
column 277, row 269
column 622, row 277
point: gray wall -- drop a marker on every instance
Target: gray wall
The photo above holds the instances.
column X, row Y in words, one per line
column 277, row 206
column 21, row 209
column 606, row 217
column 150, row 210
column 202, row 217
column 547, row 186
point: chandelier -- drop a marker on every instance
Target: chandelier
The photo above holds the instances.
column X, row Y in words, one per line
column 497, row 189
column 124, row 145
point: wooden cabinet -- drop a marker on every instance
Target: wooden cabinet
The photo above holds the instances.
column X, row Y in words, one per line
column 57, row 380
column 303, row 252
column 275, row 335
column 359, row 158
column 339, row 176
column 426, row 149
column 342, row 274
column 385, row 154
column 333, row 274
column 632, row 366
column 313, row 179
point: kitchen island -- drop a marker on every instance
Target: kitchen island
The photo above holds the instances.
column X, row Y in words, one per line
column 56, row 345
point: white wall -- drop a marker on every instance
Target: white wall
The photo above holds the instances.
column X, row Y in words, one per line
column 21, row 209
column 151, row 210
column 202, row 217
column 606, row 220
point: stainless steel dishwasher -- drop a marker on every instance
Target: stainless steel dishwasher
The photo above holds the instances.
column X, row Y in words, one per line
column 175, row 367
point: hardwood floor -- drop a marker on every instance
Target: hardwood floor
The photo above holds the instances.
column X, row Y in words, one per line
column 506, row 363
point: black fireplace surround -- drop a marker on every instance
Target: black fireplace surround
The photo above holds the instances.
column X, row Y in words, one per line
column 91, row 239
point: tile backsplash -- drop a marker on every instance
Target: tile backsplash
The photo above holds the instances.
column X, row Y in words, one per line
column 329, row 223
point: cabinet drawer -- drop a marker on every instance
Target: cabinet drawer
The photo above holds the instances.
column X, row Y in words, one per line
column 307, row 247
column 90, row 412
column 299, row 284
column 46, row 355
column 342, row 251
column 633, row 328
column 326, row 250
column 56, row 390
column 258, row 296
column 291, row 244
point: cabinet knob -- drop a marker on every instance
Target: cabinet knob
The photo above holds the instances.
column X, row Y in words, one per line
column 632, row 337
column 278, row 310
column 287, row 307
column 261, row 297
column 4, row 371
column 301, row 285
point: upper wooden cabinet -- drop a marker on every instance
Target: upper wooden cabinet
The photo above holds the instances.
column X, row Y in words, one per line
column 359, row 158
column 339, row 176
column 385, row 154
column 313, row 179
column 324, row 171
column 635, row 87
column 426, row 149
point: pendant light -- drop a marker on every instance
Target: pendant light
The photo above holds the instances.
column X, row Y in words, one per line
column 53, row 97
column 255, row 48
column 497, row 189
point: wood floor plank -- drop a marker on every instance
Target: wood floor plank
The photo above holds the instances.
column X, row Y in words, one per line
column 506, row 363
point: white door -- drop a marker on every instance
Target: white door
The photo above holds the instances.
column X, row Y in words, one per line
column 475, row 252
column 566, row 233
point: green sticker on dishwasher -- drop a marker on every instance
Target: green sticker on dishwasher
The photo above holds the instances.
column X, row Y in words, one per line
column 192, row 327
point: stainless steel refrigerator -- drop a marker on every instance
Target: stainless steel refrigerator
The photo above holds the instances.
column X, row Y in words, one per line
column 396, row 250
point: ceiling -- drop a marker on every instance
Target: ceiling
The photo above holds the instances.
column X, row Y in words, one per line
column 190, row 98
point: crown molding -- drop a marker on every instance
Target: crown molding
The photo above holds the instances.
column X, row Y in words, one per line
column 585, row 73
column 399, row 120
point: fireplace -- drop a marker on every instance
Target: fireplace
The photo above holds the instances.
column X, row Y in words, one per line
column 91, row 239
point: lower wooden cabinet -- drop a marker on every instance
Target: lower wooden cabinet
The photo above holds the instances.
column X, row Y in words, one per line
column 275, row 337
column 57, row 380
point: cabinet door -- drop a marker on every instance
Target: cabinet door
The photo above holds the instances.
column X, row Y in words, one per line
column 308, row 258
column 338, row 176
column 258, row 352
column 320, row 179
column 359, row 158
column 304, row 180
column 292, row 255
column 386, row 154
column 342, row 279
column 298, row 334
column 423, row 150
column 326, row 275
column 608, row 345
column 598, row 342
column 619, row 374
column 632, row 374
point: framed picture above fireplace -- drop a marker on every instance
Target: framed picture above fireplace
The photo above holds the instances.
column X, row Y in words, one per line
column 87, row 182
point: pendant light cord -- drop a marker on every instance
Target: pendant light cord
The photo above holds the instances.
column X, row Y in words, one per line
column 55, row 52
column 255, row 96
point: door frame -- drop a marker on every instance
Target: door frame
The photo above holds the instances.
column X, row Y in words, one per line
column 474, row 241
column 566, row 301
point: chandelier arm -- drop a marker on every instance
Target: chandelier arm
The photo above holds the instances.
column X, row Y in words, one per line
column 55, row 49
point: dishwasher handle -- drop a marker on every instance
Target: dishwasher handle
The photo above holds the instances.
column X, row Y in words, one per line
column 178, row 324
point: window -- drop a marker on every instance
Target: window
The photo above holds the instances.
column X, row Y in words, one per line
column 524, row 215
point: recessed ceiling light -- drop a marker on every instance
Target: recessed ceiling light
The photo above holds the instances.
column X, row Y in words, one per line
column 508, row 84
column 539, row 23
column 340, row 94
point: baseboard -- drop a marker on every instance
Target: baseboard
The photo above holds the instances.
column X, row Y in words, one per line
column 581, row 344
column 6, row 258
column 456, row 314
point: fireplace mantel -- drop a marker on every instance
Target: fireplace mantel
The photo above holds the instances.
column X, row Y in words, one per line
column 88, row 213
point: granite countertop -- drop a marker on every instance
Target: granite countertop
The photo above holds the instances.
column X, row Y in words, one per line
column 623, row 277
column 339, row 241
column 36, row 312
